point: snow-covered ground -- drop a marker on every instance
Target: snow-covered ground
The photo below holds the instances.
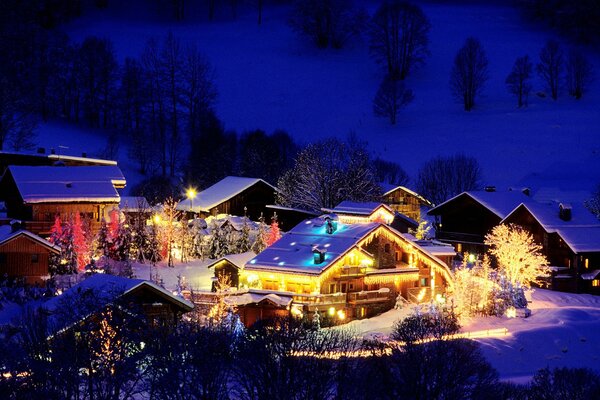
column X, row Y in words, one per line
column 197, row 275
column 269, row 78
column 563, row 331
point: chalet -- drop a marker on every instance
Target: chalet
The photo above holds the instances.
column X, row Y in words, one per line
column 232, row 195
column 24, row 254
column 101, row 291
column 405, row 201
column 229, row 266
column 465, row 219
column 350, row 212
column 136, row 209
column 347, row 270
column 36, row 195
column 41, row 158
column 570, row 240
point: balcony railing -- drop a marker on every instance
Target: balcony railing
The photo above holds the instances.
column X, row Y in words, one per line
column 348, row 271
column 370, row 296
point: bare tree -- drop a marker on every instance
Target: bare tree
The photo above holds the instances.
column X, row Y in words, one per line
column 390, row 98
column 399, row 37
column 444, row 177
column 518, row 82
column 327, row 172
column 550, row 67
column 469, row 73
column 390, row 172
column 327, row 22
column 579, row 73
column 199, row 91
column 16, row 121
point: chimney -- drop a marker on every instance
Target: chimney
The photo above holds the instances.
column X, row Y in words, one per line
column 41, row 150
column 15, row 225
column 526, row 191
column 69, row 184
column 490, row 188
column 564, row 211
column 84, row 154
column 318, row 255
column 52, row 151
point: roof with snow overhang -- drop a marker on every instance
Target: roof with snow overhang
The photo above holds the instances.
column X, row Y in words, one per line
column 43, row 184
column 581, row 232
column 499, row 203
column 388, row 188
column 7, row 234
column 218, row 193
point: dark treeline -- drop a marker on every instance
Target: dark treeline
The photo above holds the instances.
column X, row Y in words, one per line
column 117, row 355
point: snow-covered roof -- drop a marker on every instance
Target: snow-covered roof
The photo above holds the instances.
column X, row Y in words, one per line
column 259, row 296
column 107, row 288
column 581, row 232
column 589, row 276
column 432, row 246
column 294, row 251
column 134, row 204
column 43, row 184
column 283, row 208
column 387, row 189
column 218, row 193
column 357, row 208
column 499, row 203
column 238, row 260
column 7, row 234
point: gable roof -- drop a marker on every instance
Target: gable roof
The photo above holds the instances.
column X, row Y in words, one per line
column 581, row 232
column 499, row 203
column 238, row 260
column 42, row 184
column 220, row 192
column 134, row 204
column 294, row 251
column 108, row 288
column 387, row 189
column 365, row 208
column 6, row 235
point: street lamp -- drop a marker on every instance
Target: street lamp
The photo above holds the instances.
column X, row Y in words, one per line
column 191, row 194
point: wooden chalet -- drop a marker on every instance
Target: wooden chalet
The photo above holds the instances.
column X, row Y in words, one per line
column 101, row 291
column 465, row 219
column 24, row 255
column 232, row 195
column 229, row 266
column 41, row 158
column 570, row 240
column 347, row 270
column 405, row 201
column 350, row 212
column 37, row 194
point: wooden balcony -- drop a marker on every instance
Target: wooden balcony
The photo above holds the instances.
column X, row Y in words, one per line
column 371, row 296
column 348, row 271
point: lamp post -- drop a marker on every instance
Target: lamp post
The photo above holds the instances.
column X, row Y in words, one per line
column 191, row 195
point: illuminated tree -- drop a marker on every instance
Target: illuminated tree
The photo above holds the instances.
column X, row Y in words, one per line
column 244, row 242
column 170, row 216
column 518, row 257
column 80, row 243
column 423, row 231
column 274, row 233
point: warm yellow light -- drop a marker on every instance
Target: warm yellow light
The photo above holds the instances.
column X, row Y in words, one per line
column 471, row 258
column 511, row 312
column 331, row 311
column 156, row 218
column 341, row 315
column 191, row 193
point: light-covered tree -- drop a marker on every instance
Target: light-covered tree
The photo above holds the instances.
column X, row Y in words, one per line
column 261, row 237
column 518, row 81
column 244, row 242
column 399, row 33
column 274, row 232
column 469, row 72
column 517, row 255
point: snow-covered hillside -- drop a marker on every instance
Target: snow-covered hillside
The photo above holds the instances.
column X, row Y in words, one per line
column 268, row 78
column 563, row 331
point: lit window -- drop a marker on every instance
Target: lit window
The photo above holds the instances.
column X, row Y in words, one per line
column 596, row 283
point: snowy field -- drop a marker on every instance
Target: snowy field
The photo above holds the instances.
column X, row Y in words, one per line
column 268, row 78
column 563, row 331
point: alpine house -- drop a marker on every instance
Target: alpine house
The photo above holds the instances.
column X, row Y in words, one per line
column 346, row 270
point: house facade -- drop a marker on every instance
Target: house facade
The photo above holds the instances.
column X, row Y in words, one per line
column 465, row 219
column 570, row 240
column 232, row 195
column 405, row 201
column 351, row 212
column 24, row 255
column 347, row 270
column 36, row 195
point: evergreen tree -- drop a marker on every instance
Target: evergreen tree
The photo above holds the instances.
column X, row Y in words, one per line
column 261, row 238
column 244, row 242
column 80, row 243
column 103, row 242
column 55, row 238
column 68, row 250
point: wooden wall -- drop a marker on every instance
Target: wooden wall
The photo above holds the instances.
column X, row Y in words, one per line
column 17, row 259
